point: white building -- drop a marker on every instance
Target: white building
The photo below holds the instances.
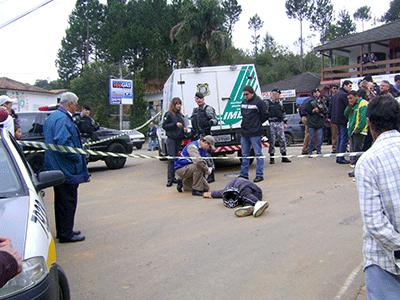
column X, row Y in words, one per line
column 29, row 97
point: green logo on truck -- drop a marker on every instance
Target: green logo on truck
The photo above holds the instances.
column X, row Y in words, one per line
column 232, row 114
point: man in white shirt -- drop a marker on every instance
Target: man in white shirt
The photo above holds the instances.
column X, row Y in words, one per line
column 378, row 182
column 6, row 104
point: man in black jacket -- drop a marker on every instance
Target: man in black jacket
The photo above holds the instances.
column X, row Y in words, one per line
column 203, row 118
column 339, row 104
column 254, row 114
column 277, row 122
column 85, row 122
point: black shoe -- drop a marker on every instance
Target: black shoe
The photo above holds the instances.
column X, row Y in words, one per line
column 285, row 159
column 271, row 161
column 244, row 177
column 175, row 180
column 197, row 193
column 304, row 153
column 73, row 232
column 211, row 178
column 351, row 174
column 179, row 185
column 74, row 239
column 258, row 179
column 342, row 162
column 169, row 183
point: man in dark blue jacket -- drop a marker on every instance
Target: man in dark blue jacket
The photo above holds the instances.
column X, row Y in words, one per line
column 254, row 114
column 339, row 104
column 241, row 192
column 60, row 129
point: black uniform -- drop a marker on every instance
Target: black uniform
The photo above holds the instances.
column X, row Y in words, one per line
column 203, row 118
column 254, row 114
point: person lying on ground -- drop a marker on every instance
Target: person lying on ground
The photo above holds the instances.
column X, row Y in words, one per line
column 241, row 192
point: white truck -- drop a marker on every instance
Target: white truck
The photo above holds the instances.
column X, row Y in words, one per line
column 222, row 87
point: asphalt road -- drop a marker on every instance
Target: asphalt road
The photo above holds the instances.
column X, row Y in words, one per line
column 147, row 241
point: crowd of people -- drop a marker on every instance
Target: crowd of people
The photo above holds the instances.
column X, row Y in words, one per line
column 341, row 112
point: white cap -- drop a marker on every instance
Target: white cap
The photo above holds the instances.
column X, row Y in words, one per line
column 5, row 99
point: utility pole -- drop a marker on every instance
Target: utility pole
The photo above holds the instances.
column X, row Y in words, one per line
column 121, row 106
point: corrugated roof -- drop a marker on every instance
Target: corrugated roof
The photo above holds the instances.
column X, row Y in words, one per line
column 10, row 84
column 302, row 83
column 379, row 34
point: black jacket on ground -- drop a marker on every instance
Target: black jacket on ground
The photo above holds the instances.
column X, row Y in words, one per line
column 169, row 125
column 339, row 104
column 249, row 192
column 254, row 114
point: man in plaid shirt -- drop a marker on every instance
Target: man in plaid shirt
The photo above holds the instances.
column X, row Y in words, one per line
column 378, row 183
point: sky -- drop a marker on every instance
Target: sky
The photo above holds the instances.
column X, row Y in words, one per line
column 29, row 46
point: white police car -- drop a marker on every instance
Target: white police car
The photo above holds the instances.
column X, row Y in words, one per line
column 23, row 219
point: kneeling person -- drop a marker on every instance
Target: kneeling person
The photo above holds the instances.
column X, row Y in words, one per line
column 192, row 168
column 240, row 191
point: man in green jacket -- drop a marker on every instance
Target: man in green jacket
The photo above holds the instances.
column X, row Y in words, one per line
column 357, row 126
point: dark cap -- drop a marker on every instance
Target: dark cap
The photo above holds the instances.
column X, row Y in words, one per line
column 276, row 91
column 199, row 95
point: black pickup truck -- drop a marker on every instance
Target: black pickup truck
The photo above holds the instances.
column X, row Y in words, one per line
column 32, row 130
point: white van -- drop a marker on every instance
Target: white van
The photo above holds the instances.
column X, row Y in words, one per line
column 222, row 87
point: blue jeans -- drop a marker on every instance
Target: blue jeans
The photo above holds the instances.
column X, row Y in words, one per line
column 342, row 141
column 381, row 284
column 152, row 144
column 315, row 132
column 246, row 143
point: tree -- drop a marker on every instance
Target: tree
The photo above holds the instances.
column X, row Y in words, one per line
column 343, row 27
column 52, row 85
column 232, row 11
column 137, row 114
column 363, row 14
column 201, row 37
column 78, row 47
column 269, row 43
column 393, row 14
column 300, row 10
column 321, row 15
column 255, row 24
column 92, row 89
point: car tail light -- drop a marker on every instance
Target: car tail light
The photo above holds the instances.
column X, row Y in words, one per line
column 43, row 108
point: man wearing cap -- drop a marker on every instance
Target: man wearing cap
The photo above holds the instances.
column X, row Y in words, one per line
column 244, row 193
column 191, row 166
column 277, row 122
column 203, row 118
column 6, row 104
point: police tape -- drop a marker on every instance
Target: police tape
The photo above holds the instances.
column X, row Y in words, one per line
column 123, row 133
column 67, row 149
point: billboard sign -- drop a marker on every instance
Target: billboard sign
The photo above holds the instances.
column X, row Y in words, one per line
column 121, row 92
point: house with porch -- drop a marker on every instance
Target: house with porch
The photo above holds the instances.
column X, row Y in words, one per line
column 343, row 58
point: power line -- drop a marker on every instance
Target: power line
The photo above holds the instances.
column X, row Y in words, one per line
column 25, row 14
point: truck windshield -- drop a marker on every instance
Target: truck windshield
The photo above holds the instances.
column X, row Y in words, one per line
column 10, row 184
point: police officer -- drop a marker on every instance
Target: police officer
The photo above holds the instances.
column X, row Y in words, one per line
column 203, row 118
column 277, row 122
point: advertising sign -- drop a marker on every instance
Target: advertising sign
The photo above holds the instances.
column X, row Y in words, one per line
column 284, row 94
column 121, row 92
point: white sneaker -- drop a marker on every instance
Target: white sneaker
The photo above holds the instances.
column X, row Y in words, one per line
column 260, row 207
column 244, row 211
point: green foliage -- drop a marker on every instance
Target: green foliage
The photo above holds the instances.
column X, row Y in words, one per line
column 363, row 14
column 78, row 47
column 92, row 88
column 232, row 11
column 137, row 114
column 52, row 85
column 343, row 27
column 322, row 15
column 393, row 13
column 255, row 24
column 200, row 35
